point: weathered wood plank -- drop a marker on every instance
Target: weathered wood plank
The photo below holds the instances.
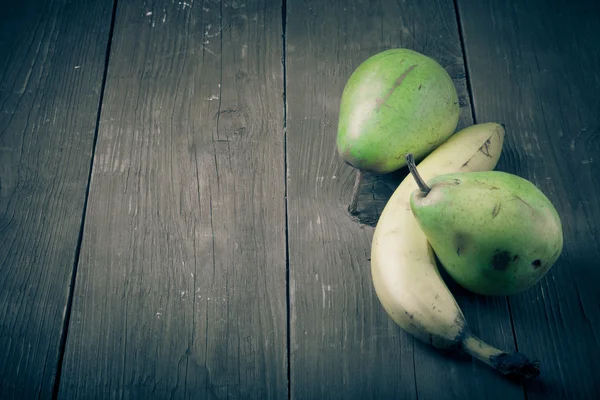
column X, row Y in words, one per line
column 343, row 345
column 535, row 66
column 181, row 284
column 52, row 61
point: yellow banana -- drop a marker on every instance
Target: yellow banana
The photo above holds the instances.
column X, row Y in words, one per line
column 404, row 271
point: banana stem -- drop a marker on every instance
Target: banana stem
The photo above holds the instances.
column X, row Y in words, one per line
column 410, row 161
column 508, row 364
column 354, row 197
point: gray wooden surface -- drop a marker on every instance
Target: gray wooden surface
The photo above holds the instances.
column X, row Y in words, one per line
column 181, row 285
column 173, row 215
column 52, row 59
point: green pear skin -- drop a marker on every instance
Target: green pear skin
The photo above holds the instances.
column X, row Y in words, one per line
column 396, row 101
column 495, row 233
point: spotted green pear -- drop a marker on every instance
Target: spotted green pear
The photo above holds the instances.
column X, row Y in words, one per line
column 495, row 233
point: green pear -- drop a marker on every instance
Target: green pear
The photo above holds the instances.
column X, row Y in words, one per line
column 397, row 101
column 495, row 233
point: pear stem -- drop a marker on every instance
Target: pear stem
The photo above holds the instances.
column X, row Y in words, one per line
column 410, row 161
column 354, row 197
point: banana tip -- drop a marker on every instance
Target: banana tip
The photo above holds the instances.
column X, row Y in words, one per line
column 516, row 364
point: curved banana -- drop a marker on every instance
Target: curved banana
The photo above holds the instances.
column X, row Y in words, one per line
column 403, row 266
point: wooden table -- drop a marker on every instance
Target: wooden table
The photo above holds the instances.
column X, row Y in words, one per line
column 173, row 210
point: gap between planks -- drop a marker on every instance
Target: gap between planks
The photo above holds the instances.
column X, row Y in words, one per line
column 69, row 305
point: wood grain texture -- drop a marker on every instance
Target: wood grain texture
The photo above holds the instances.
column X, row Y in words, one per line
column 536, row 67
column 181, row 286
column 52, row 59
column 343, row 344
